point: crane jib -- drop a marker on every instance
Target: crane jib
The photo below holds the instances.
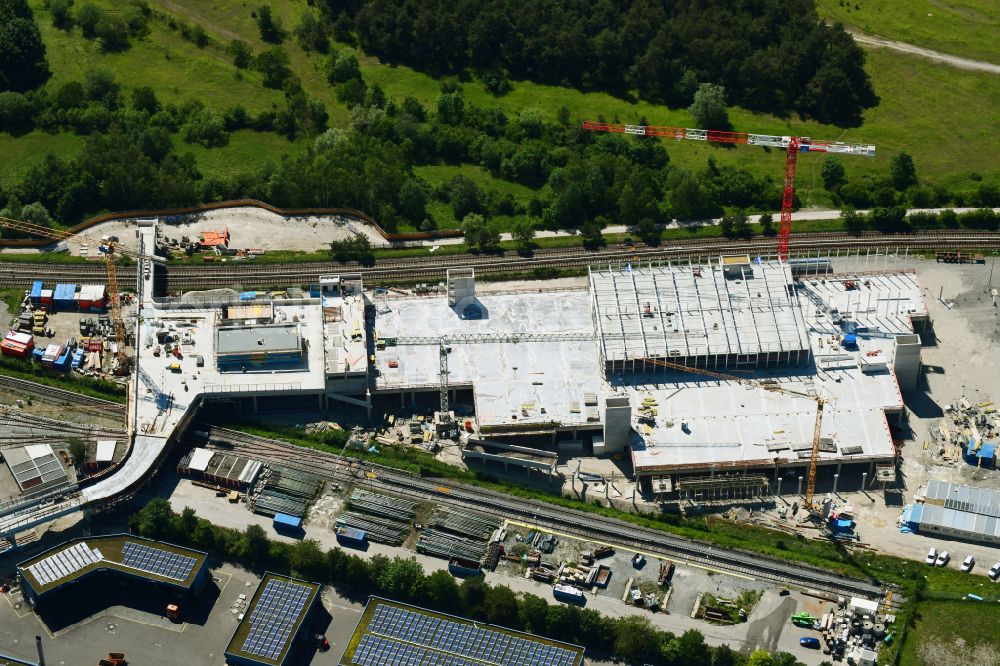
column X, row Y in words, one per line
column 806, row 145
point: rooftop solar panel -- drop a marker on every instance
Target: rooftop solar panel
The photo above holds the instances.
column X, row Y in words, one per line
column 274, row 617
column 63, row 564
column 157, row 561
column 399, row 637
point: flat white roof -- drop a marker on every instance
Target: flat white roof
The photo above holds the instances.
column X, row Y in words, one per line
column 105, row 450
column 732, row 425
column 506, row 377
column 36, row 451
column 200, row 459
column 344, row 334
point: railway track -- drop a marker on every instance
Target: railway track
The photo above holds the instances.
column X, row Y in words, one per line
column 242, row 274
column 19, row 429
column 584, row 525
column 61, row 395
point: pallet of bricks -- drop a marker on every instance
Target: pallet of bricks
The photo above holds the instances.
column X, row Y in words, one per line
column 384, row 519
column 452, row 533
column 285, row 490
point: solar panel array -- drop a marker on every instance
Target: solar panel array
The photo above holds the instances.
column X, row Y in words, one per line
column 157, row 561
column 274, row 617
column 64, row 563
column 400, row 637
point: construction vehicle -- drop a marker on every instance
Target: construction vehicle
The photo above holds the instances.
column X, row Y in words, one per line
column 110, row 249
column 792, row 145
column 767, row 386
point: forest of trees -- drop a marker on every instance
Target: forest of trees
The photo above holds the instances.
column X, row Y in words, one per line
column 770, row 55
column 632, row 639
column 134, row 153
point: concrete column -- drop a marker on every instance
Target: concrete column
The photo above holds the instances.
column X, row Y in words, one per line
column 255, row 404
column 402, row 399
column 800, row 484
column 835, row 477
column 864, row 480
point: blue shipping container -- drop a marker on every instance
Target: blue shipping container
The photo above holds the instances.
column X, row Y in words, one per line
column 64, row 292
column 351, row 536
column 282, row 521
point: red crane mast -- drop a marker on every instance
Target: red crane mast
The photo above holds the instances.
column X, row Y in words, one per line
column 792, row 145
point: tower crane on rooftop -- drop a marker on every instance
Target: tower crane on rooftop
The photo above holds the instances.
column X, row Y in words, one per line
column 776, row 388
column 792, row 145
column 109, row 248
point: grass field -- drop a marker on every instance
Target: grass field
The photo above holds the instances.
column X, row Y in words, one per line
column 246, row 152
column 967, row 28
column 945, row 118
column 177, row 69
column 22, row 151
column 952, row 632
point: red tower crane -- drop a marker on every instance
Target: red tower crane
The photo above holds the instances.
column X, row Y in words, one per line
column 792, row 145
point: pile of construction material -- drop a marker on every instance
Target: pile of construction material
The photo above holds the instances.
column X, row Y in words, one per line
column 379, row 530
column 383, row 505
column 969, row 431
column 444, row 544
column 384, row 519
column 284, row 490
column 854, row 628
column 465, row 524
column 458, row 534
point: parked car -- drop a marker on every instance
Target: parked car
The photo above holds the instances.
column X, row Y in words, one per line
column 968, row 563
column 943, row 558
column 809, row 642
column 932, row 556
column 994, row 572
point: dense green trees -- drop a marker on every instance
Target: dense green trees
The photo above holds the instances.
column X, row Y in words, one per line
column 709, row 107
column 771, row 55
column 630, row 640
column 269, row 26
column 22, row 53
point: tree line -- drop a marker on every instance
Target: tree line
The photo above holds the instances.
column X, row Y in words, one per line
column 134, row 157
column 776, row 56
column 632, row 639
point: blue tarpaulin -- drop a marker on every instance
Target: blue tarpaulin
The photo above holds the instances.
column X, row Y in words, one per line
column 248, row 295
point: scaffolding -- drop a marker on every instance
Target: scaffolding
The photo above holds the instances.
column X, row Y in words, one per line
column 727, row 487
column 694, row 315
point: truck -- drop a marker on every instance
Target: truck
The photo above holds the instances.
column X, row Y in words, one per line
column 568, row 594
